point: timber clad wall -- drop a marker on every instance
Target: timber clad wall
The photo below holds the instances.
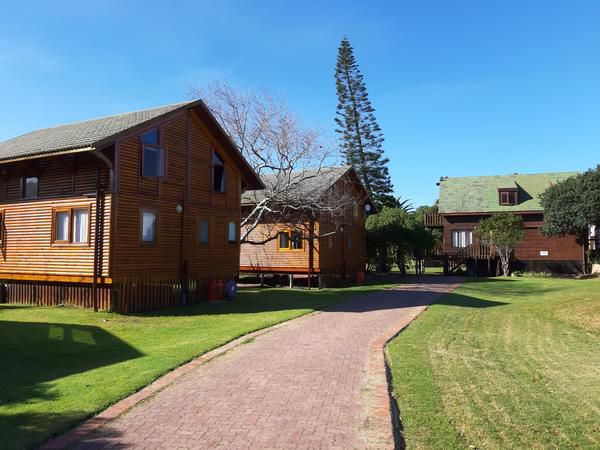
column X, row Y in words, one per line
column 188, row 182
column 339, row 250
column 27, row 249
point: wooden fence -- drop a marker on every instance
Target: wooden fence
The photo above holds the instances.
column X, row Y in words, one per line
column 53, row 294
column 152, row 292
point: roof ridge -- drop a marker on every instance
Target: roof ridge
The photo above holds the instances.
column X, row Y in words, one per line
column 109, row 116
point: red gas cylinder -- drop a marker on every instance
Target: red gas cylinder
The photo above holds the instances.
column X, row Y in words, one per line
column 215, row 290
column 360, row 277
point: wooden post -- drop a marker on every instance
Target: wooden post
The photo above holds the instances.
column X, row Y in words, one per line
column 262, row 280
column 291, row 278
column 320, row 280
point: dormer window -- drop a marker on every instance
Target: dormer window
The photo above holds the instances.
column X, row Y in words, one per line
column 508, row 197
column 153, row 155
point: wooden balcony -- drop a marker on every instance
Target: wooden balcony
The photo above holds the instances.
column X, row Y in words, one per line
column 433, row 220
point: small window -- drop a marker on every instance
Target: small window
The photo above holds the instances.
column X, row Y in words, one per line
column 2, row 228
column 284, row 240
column 296, row 240
column 232, row 232
column 71, row 226
column 153, row 163
column 203, row 232
column 29, row 187
column 61, row 226
column 508, row 198
column 80, row 225
column 149, row 222
column 462, row 238
column 151, row 137
column 218, row 173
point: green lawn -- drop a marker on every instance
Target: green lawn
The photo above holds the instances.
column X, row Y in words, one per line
column 61, row 365
column 503, row 363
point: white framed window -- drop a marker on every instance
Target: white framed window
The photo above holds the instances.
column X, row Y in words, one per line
column 149, row 225
column 61, row 225
column 462, row 238
column 232, row 232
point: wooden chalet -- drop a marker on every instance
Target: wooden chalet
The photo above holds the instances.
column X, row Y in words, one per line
column 330, row 248
column 129, row 212
column 464, row 201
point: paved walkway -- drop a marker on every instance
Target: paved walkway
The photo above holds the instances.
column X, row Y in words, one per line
column 317, row 382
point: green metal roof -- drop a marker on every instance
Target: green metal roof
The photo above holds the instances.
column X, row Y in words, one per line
column 480, row 194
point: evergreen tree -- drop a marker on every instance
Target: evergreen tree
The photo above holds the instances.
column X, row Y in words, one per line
column 360, row 135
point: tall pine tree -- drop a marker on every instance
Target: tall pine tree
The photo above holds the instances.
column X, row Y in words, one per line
column 360, row 135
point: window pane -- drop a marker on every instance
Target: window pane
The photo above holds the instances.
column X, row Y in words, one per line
column 154, row 162
column 203, row 231
column 232, row 234
column 284, row 240
column 30, row 187
column 148, row 226
column 218, row 173
column 80, row 225
column 61, row 226
column 296, row 240
column 151, row 137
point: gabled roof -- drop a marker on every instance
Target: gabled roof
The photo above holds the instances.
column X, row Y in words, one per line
column 95, row 134
column 480, row 194
column 307, row 184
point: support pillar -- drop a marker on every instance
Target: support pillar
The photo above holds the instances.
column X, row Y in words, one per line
column 291, row 277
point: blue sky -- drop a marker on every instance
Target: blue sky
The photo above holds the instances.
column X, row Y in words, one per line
column 460, row 87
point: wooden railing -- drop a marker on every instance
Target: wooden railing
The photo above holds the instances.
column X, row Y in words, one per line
column 433, row 220
column 473, row 251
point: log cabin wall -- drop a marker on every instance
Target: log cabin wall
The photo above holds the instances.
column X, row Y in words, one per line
column 339, row 245
column 27, row 251
column 536, row 252
column 188, row 182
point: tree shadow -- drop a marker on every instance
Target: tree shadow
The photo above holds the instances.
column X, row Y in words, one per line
column 33, row 354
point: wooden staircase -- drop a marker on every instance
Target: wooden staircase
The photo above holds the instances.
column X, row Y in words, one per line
column 472, row 252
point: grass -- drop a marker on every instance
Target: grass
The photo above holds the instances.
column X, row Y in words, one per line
column 503, row 363
column 59, row 366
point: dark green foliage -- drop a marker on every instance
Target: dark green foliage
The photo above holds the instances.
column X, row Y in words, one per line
column 399, row 233
column 570, row 206
column 360, row 135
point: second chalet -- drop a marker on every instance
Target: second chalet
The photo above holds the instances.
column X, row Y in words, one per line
column 329, row 243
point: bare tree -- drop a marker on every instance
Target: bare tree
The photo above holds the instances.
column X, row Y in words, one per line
column 289, row 157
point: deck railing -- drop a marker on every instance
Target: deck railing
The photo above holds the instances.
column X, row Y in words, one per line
column 433, row 220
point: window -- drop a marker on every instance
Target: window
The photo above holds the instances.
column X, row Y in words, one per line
column 153, row 156
column 29, row 187
column 71, row 226
column 80, row 225
column 203, row 232
column 290, row 240
column 461, row 238
column 508, row 198
column 283, row 240
column 1, row 228
column 232, row 232
column 149, row 224
column 218, row 173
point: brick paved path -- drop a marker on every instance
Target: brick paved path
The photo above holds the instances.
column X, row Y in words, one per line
column 317, row 382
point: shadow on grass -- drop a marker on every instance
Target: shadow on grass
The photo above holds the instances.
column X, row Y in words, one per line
column 369, row 297
column 32, row 354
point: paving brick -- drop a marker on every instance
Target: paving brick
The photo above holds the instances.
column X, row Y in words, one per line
column 317, row 382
